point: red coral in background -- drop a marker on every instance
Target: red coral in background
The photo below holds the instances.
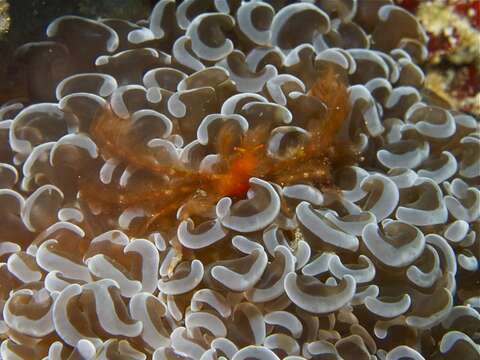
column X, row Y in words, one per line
column 440, row 44
column 469, row 9
column 410, row 5
column 453, row 66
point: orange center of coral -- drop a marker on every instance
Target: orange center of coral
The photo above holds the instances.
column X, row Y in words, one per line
column 235, row 181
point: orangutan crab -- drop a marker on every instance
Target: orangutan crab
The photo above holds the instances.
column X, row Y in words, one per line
column 195, row 191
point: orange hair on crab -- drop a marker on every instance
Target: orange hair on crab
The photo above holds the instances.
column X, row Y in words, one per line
column 195, row 191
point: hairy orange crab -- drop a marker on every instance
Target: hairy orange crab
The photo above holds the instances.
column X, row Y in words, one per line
column 195, row 191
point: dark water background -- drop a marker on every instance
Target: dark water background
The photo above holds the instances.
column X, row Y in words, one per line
column 30, row 18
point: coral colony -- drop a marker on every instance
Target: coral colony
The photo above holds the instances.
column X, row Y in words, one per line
column 237, row 180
